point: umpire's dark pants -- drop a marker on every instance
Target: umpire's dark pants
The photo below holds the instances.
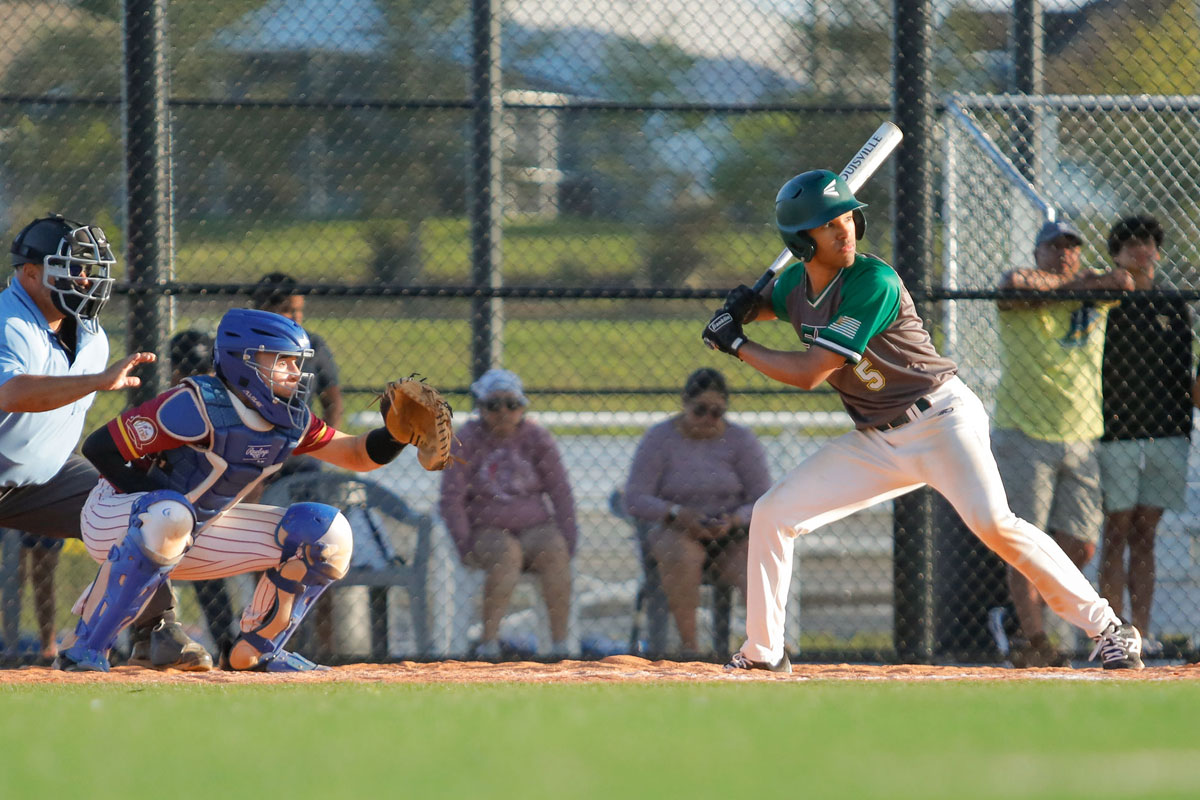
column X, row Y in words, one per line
column 53, row 508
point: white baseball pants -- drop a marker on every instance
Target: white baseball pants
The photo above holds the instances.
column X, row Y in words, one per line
column 238, row 541
column 947, row 449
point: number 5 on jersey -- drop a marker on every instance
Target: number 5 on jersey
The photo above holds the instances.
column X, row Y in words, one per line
column 870, row 376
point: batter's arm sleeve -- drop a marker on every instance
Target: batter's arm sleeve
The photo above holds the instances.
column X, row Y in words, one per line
column 870, row 303
column 101, row 449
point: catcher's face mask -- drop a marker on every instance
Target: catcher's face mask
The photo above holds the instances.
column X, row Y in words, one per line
column 283, row 376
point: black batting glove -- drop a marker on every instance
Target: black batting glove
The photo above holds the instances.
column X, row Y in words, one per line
column 724, row 333
column 742, row 303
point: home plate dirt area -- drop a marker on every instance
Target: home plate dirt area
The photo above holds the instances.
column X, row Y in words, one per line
column 614, row 669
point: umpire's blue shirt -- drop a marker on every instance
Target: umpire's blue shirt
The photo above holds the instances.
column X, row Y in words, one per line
column 35, row 445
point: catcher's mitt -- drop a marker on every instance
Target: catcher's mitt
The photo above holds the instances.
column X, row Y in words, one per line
column 415, row 413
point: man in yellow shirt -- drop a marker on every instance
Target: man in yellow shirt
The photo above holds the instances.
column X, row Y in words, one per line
column 1048, row 414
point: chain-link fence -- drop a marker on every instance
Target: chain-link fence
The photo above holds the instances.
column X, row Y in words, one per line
column 566, row 190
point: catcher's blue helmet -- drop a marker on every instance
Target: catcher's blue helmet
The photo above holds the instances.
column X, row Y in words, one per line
column 241, row 334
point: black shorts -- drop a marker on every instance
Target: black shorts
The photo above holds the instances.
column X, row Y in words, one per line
column 51, row 508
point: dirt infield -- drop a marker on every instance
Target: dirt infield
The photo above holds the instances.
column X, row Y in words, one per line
column 614, row 669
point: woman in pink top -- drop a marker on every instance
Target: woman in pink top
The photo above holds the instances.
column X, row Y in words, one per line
column 509, row 509
column 695, row 478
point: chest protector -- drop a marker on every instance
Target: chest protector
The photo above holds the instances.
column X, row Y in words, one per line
column 214, row 477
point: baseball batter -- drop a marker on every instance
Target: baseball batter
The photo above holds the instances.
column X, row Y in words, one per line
column 172, row 473
column 915, row 422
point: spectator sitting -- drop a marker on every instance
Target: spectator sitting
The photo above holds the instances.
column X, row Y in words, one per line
column 509, row 508
column 1048, row 415
column 695, row 478
column 1148, row 391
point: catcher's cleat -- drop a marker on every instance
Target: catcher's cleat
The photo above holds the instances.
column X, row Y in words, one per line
column 284, row 661
column 739, row 661
column 167, row 646
column 81, row 659
column 1119, row 647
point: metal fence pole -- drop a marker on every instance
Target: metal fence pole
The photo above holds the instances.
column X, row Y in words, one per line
column 1028, row 71
column 147, row 182
column 913, row 110
column 486, row 187
column 10, row 592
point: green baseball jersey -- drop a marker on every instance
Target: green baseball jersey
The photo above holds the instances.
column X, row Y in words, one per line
column 1051, row 357
column 867, row 316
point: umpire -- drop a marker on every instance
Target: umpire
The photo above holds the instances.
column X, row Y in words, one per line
column 53, row 354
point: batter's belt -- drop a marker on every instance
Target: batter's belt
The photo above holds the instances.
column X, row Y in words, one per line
column 911, row 413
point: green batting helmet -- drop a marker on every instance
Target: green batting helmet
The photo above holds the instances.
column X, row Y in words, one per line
column 810, row 200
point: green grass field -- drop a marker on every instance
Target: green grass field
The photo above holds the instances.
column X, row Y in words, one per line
column 579, row 252
column 1044, row 739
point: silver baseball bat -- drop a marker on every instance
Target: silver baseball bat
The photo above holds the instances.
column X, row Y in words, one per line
column 866, row 162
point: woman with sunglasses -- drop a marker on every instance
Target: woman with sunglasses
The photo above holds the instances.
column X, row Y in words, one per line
column 695, row 478
column 509, row 509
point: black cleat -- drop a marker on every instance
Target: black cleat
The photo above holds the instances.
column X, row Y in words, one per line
column 166, row 646
column 739, row 661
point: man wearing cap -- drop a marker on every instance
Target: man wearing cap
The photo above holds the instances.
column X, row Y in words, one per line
column 53, row 354
column 1048, row 413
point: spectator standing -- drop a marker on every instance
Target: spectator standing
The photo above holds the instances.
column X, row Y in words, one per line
column 38, row 563
column 53, row 354
column 1148, row 389
column 509, row 507
column 276, row 292
column 1048, row 415
column 695, row 478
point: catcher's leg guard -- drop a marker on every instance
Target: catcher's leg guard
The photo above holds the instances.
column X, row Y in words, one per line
column 317, row 544
column 160, row 531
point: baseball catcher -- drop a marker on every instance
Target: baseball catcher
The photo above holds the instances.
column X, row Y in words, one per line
column 174, row 470
column 916, row 423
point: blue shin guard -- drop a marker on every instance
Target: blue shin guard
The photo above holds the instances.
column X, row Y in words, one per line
column 316, row 543
column 274, row 658
column 136, row 570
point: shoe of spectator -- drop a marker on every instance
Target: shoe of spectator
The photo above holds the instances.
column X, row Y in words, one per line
column 1036, row 653
column 1119, row 647
column 487, row 650
column 995, row 626
column 166, row 646
column 1151, row 647
column 739, row 661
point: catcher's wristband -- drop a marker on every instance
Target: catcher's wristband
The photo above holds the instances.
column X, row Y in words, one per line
column 381, row 447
